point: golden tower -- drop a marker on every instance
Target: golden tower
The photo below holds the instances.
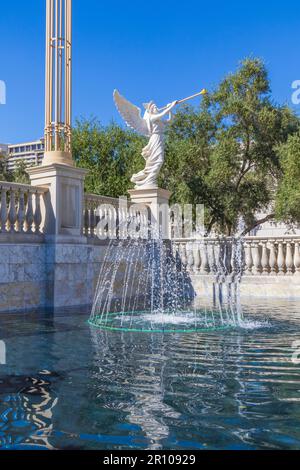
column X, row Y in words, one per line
column 58, row 105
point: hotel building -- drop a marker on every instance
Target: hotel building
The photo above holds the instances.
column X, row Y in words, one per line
column 32, row 153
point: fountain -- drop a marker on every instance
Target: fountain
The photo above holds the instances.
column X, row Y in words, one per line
column 143, row 284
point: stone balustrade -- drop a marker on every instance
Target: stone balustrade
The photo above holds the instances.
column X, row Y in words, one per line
column 278, row 256
column 120, row 218
column 20, row 209
column 256, row 256
column 95, row 207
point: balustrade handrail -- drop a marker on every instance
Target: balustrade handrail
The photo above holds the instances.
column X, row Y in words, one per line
column 252, row 238
column 23, row 187
column 98, row 198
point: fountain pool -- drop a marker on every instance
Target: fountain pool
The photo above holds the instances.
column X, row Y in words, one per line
column 67, row 385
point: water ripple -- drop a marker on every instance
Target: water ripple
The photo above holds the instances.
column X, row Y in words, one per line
column 71, row 386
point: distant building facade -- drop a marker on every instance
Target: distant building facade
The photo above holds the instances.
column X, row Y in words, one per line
column 32, row 153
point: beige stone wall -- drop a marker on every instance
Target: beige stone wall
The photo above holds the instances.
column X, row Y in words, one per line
column 256, row 287
column 38, row 276
column 23, row 277
column 34, row 276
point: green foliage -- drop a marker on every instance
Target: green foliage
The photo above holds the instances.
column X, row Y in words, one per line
column 111, row 154
column 5, row 175
column 225, row 154
column 19, row 174
column 288, row 195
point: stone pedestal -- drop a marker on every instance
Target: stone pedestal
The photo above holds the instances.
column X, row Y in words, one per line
column 157, row 200
column 63, row 158
column 65, row 253
column 63, row 201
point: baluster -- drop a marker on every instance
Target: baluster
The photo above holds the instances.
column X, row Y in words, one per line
column 289, row 259
column 176, row 251
column 146, row 226
column 256, row 258
column 227, row 256
column 197, row 258
column 297, row 259
column 113, row 224
column 120, row 223
column 21, row 212
column 117, row 223
column 204, row 258
column 281, row 259
column 124, row 219
column 183, row 255
column 29, row 213
column 12, row 213
column 273, row 258
column 37, row 213
column 190, row 258
column 216, row 248
column 232, row 259
column 3, row 212
column 106, row 214
column 86, row 218
column 142, row 225
column 211, row 257
column 248, row 259
column 92, row 220
column 101, row 214
column 138, row 224
column 109, row 216
column 265, row 259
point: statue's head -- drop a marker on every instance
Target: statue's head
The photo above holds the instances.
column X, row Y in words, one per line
column 151, row 107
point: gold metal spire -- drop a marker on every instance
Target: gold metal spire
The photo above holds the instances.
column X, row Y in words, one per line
column 58, row 109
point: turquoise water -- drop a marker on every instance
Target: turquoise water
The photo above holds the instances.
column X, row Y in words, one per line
column 67, row 385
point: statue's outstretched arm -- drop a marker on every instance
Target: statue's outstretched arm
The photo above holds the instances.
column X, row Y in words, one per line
column 157, row 117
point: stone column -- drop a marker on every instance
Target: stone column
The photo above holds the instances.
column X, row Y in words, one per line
column 157, row 200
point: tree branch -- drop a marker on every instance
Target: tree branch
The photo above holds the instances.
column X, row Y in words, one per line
column 257, row 223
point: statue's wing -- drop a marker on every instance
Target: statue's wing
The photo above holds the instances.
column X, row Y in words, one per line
column 131, row 114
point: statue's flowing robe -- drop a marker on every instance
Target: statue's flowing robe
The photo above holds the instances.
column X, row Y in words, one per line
column 153, row 153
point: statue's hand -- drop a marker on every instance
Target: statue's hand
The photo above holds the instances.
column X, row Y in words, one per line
column 172, row 105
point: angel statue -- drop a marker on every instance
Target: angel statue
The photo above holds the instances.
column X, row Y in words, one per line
column 153, row 126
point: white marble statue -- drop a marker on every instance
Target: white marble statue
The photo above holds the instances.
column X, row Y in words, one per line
column 152, row 125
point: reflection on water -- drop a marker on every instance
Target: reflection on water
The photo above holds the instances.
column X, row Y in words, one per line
column 145, row 384
column 26, row 412
column 67, row 385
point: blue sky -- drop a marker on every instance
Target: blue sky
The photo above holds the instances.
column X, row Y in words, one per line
column 161, row 50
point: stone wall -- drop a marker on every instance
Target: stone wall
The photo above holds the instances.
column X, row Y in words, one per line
column 256, row 287
column 59, row 275
column 23, row 276
column 54, row 275
column 47, row 275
